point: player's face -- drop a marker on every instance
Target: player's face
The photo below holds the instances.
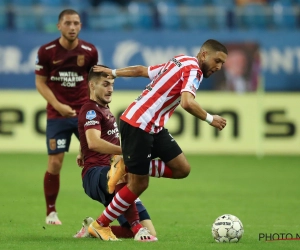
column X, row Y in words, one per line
column 212, row 61
column 69, row 26
column 103, row 89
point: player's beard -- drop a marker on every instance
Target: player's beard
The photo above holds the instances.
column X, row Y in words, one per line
column 70, row 40
column 205, row 69
column 101, row 100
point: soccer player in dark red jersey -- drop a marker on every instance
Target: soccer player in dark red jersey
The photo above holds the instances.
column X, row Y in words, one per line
column 61, row 70
column 142, row 123
column 99, row 141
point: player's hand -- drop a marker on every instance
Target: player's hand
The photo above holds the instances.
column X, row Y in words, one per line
column 98, row 68
column 65, row 110
column 218, row 122
column 79, row 160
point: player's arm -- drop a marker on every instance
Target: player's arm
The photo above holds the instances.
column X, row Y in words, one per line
column 131, row 71
column 190, row 105
column 95, row 143
column 46, row 92
column 80, row 158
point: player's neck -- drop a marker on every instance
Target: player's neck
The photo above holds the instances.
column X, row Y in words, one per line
column 67, row 44
column 98, row 102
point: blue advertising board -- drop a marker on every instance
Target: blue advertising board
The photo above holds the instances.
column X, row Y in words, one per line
column 279, row 53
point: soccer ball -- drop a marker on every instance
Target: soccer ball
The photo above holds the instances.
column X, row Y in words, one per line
column 227, row 228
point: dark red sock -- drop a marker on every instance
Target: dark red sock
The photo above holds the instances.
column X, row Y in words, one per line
column 122, row 199
column 122, row 232
column 51, row 188
column 159, row 169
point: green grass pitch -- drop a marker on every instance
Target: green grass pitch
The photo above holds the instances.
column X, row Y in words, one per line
column 263, row 193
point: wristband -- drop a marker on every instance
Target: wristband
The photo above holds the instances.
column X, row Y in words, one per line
column 209, row 118
column 113, row 72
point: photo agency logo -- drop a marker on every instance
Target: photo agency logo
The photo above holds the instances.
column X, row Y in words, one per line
column 278, row 236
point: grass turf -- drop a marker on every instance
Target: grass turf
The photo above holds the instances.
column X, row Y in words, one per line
column 263, row 193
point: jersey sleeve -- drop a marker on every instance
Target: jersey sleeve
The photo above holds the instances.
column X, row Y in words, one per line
column 94, row 60
column 42, row 63
column 154, row 70
column 192, row 78
column 91, row 119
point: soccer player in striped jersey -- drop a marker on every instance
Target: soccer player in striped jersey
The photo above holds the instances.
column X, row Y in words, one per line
column 61, row 71
column 143, row 136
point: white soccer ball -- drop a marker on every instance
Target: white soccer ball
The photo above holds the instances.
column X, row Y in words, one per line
column 227, row 228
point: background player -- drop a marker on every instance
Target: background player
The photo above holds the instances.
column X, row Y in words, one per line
column 99, row 140
column 61, row 71
column 142, row 123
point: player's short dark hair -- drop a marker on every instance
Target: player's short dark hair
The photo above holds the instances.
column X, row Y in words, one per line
column 93, row 74
column 215, row 45
column 67, row 12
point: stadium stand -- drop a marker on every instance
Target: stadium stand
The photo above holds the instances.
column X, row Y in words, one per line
column 199, row 15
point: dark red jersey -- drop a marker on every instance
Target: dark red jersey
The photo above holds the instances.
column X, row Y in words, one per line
column 93, row 115
column 66, row 72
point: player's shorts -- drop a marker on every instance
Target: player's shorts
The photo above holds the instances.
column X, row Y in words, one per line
column 95, row 186
column 59, row 133
column 140, row 147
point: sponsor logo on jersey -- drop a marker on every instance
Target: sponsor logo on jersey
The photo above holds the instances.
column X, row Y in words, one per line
column 90, row 115
column 68, row 78
column 177, row 63
column 80, row 60
column 91, row 123
column 112, row 131
column 57, row 61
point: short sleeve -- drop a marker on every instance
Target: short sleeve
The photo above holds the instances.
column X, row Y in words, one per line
column 154, row 70
column 91, row 119
column 42, row 63
column 94, row 60
column 192, row 78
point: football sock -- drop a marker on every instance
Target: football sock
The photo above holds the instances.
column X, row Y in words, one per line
column 131, row 214
column 159, row 169
column 122, row 232
column 120, row 203
column 51, row 188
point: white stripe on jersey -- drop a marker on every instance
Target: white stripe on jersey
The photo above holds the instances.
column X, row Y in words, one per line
column 154, row 72
column 151, row 112
column 159, row 102
column 165, row 113
column 50, row 47
column 86, row 47
column 154, row 107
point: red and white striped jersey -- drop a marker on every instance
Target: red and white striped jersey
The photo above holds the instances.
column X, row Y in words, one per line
column 153, row 108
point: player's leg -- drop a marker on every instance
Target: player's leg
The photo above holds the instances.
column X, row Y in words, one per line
column 172, row 162
column 145, row 233
column 133, row 216
column 136, row 147
column 58, row 136
column 95, row 186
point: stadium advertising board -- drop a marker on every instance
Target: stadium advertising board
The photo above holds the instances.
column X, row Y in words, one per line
column 280, row 58
column 268, row 125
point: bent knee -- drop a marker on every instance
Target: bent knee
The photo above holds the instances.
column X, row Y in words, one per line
column 182, row 172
